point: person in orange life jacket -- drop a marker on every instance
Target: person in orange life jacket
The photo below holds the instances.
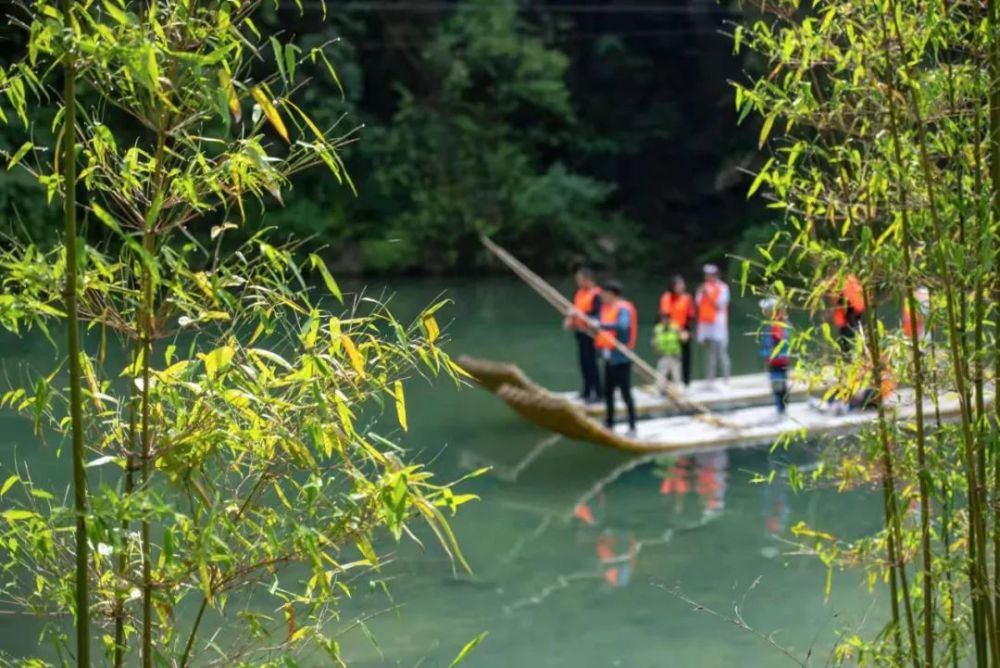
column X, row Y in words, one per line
column 848, row 311
column 774, row 342
column 865, row 395
column 586, row 305
column 618, row 322
column 869, row 397
column 712, row 302
column 922, row 296
column 678, row 304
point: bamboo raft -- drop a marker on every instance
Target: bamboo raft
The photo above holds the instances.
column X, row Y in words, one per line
column 740, row 392
column 743, row 427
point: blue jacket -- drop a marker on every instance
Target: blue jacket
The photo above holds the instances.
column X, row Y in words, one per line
column 774, row 342
column 622, row 329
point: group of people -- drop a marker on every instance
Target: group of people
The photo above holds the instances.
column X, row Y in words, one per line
column 606, row 326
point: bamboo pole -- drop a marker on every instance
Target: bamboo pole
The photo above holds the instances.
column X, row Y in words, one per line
column 564, row 306
column 68, row 149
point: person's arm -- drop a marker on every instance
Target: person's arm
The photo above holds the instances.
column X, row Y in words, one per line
column 595, row 310
column 624, row 324
column 723, row 300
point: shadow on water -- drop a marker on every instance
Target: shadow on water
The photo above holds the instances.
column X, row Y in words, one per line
column 576, row 549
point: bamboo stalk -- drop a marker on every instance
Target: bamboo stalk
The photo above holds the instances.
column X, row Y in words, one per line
column 994, row 147
column 893, row 524
column 73, row 325
column 976, row 505
column 121, row 645
column 147, row 328
column 981, row 240
column 917, row 360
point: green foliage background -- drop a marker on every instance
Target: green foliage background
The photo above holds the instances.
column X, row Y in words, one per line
column 599, row 136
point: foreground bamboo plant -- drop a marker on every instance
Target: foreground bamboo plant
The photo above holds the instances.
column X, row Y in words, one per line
column 882, row 120
column 219, row 406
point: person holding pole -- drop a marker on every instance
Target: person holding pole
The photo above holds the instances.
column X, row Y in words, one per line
column 586, row 305
column 618, row 323
column 712, row 301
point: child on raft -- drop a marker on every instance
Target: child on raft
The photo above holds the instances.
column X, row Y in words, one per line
column 774, row 341
column 667, row 341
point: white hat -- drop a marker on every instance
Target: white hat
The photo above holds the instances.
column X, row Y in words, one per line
column 710, row 269
column 768, row 304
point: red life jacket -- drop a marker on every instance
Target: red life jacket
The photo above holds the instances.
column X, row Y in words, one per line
column 609, row 316
column 583, row 300
column 708, row 304
column 680, row 308
column 780, row 343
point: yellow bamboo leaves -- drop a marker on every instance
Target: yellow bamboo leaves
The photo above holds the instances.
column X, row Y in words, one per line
column 226, row 81
column 270, row 111
column 354, row 355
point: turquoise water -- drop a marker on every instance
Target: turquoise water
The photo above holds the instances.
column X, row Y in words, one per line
column 578, row 552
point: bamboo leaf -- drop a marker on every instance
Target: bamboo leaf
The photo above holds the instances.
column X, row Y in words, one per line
column 226, row 81
column 400, row 404
column 216, row 360
column 354, row 355
column 469, row 646
column 431, row 327
column 765, row 130
column 21, row 152
column 270, row 112
column 8, row 483
column 331, row 284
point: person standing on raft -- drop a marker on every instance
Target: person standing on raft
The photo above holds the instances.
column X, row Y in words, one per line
column 848, row 311
column 712, row 301
column 774, row 350
column 586, row 306
column 678, row 305
column 618, row 322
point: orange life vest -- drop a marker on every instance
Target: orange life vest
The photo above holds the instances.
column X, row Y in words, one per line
column 908, row 322
column 708, row 304
column 853, row 294
column 609, row 316
column 680, row 308
column 583, row 300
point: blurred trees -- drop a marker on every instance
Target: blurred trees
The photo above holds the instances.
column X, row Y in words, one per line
column 602, row 136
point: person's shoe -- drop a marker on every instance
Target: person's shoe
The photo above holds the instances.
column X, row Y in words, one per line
column 591, row 401
column 632, row 433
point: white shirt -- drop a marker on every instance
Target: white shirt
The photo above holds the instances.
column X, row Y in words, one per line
column 718, row 330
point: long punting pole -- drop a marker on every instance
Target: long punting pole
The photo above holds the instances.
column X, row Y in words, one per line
column 564, row 306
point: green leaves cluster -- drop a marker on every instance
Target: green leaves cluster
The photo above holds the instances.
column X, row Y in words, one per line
column 469, row 147
column 239, row 471
column 883, row 126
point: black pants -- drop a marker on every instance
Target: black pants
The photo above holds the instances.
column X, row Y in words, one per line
column 618, row 376
column 686, row 362
column 588, row 367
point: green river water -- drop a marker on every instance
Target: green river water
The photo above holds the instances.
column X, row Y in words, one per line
column 575, row 548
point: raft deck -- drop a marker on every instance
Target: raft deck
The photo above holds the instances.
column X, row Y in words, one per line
column 740, row 391
column 743, row 427
column 736, row 427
